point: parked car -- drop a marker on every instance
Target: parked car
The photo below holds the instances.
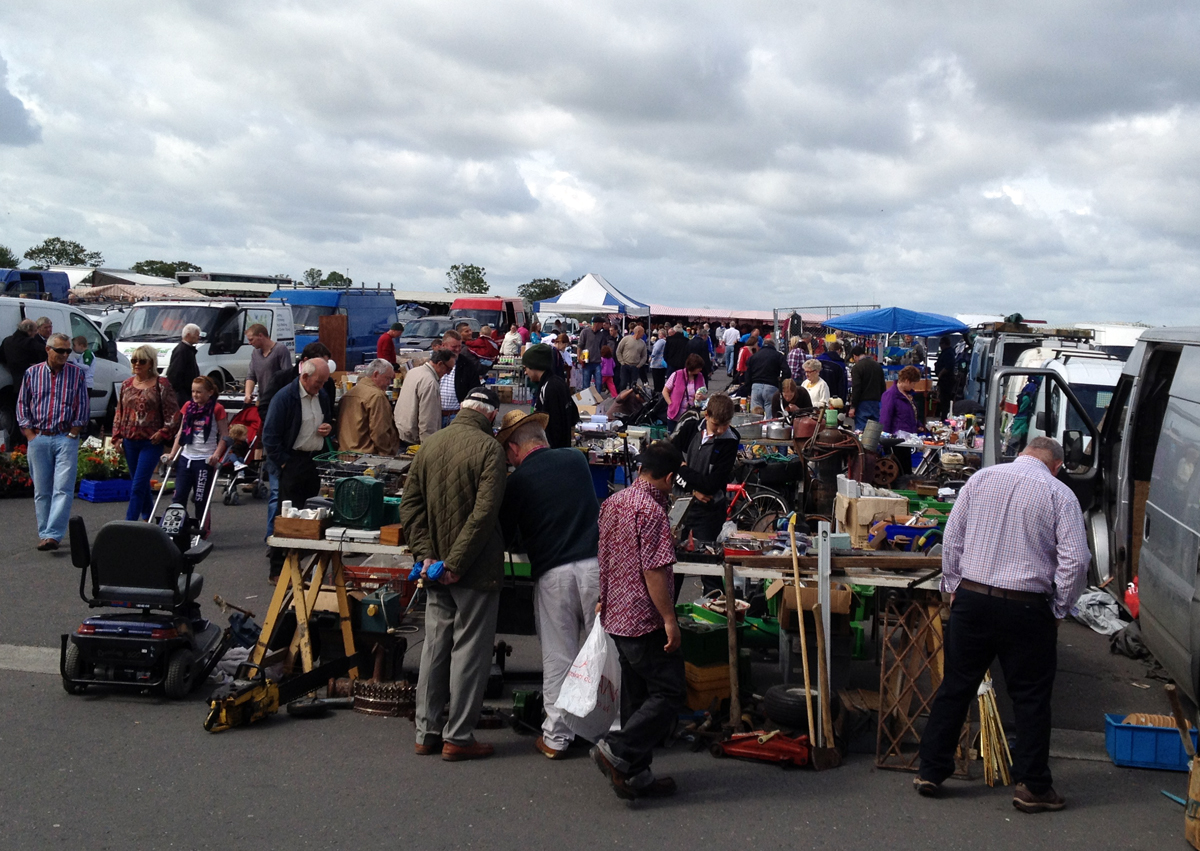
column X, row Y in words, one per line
column 223, row 353
column 111, row 366
column 419, row 336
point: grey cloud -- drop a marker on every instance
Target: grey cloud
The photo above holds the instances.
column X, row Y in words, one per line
column 17, row 126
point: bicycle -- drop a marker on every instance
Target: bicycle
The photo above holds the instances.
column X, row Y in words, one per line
column 755, row 506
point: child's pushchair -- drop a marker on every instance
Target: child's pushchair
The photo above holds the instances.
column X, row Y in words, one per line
column 243, row 464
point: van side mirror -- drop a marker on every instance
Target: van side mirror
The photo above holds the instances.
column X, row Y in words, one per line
column 1073, row 448
column 110, row 349
column 1040, row 421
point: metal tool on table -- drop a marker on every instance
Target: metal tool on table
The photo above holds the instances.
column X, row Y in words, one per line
column 735, row 698
column 825, row 754
column 1191, row 813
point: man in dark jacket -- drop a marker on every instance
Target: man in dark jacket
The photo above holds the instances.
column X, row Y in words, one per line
column 451, row 513
column 709, row 450
column 558, row 527
column 183, row 367
column 765, row 370
column 698, row 345
column 947, row 377
column 22, row 349
column 676, row 351
column 553, row 396
column 299, row 420
column 468, row 371
column 833, row 370
column 866, row 387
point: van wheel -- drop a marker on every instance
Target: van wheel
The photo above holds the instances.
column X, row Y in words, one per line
column 218, row 379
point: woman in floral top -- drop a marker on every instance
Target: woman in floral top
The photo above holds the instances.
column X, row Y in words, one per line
column 147, row 417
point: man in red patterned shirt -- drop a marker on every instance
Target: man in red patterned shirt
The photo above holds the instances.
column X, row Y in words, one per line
column 637, row 610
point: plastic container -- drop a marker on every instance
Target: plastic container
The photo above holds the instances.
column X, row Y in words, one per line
column 1145, row 747
column 111, row 490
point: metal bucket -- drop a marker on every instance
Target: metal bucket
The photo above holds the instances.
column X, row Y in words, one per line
column 871, row 434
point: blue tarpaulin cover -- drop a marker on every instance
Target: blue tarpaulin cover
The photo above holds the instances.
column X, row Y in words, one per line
column 897, row 320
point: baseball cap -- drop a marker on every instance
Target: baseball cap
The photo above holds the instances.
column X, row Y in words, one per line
column 484, row 394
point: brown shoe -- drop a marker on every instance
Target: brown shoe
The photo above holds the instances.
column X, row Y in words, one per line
column 1028, row 802
column 617, row 779
column 660, row 787
column 47, row 545
column 547, row 751
column 456, row 753
column 429, row 748
column 927, row 788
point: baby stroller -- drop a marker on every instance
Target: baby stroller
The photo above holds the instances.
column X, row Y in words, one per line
column 248, row 470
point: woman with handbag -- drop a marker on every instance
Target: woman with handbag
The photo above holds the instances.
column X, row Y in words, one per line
column 147, row 417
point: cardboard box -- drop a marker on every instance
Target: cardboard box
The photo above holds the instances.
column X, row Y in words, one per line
column 856, row 516
column 587, row 396
column 504, row 391
column 840, row 598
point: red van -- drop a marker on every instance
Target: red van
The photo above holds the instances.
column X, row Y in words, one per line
column 496, row 311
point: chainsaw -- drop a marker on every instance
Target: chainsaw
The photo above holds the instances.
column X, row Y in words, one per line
column 251, row 698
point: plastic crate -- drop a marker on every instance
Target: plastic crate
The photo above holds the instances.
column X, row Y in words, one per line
column 111, row 490
column 1145, row 747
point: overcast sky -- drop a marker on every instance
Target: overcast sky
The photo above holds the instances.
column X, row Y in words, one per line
column 1039, row 157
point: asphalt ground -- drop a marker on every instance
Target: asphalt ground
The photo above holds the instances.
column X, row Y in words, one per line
column 110, row 770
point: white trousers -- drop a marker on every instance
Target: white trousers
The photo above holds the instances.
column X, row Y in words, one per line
column 564, row 609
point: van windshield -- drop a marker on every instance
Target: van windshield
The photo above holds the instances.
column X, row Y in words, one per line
column 1095, row 400
column 158, row 323
column 307, row 317
column 494, row 318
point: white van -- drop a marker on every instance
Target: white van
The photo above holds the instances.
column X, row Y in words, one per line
column 1090, row 373
column 111, row 367
column 222, row 353
column 1139, row 486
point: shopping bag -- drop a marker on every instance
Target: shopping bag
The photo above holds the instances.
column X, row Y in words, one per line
column 590, row 697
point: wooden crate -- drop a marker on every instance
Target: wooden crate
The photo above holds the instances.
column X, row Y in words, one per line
column 294, row 527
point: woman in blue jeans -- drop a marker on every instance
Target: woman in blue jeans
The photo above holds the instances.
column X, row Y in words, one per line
column 146, row 420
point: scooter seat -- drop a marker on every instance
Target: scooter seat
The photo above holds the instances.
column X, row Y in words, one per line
column 190, row 590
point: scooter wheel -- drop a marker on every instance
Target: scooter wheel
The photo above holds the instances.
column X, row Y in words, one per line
column 73, row 669
column 180, row 668
column 228, row 498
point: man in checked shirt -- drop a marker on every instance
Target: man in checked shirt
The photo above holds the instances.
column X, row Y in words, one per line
column 1015, row 559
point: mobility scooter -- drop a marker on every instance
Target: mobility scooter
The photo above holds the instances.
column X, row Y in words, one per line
column 161, row 640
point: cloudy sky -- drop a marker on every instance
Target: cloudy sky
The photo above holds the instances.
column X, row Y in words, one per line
column 1039, row 157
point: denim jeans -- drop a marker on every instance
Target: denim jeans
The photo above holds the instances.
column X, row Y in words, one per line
column 1024, row 637
column 142, row 457
column 272, row 473
column 627, row 376
column 591, row 375
column 653, row 690
column 729, row 356
column 864, row 412
column 761, row 396
column 53, row 462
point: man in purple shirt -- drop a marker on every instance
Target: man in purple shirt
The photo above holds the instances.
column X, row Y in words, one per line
column 1015, row 558
column 52, row 408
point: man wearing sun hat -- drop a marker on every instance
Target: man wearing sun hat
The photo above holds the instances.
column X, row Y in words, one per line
column 553, row 396
column 559, row 528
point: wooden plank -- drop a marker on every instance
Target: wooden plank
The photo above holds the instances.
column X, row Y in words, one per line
column 339, row 582
column 881, row 561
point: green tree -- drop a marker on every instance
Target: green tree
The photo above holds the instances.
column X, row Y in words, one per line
column 337, row 279
column 163, row 268
column 8, row 260
column 312, row 278
column 541, row 288
column 57, row 251
column 467, row 278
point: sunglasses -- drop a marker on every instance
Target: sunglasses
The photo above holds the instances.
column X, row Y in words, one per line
column 59, row 351
column 131, row 360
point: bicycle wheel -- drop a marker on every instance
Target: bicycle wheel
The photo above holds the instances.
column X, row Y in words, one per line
column 769, row 507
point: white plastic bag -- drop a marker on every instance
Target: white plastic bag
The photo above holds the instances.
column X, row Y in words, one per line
column 591, row 693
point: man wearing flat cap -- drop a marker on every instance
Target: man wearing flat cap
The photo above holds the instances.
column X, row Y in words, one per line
column 559, row 528
column 450, row 513
column 553, row 396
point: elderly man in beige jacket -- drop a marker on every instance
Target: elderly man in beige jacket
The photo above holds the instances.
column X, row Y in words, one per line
column 365, row 415
column 419, row 408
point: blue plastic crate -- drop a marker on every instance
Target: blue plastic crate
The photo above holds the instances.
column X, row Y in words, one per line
column 112, row 490
column 1145, row 747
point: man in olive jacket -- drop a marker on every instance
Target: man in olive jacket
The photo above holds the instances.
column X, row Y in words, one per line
column 451, row 513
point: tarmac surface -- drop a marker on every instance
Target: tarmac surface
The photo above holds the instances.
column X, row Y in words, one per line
column 124, row 770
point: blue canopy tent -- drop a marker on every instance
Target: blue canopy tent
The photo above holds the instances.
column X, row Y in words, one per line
column 897, row 320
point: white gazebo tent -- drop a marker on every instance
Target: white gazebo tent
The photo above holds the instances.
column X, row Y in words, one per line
column 593, row 294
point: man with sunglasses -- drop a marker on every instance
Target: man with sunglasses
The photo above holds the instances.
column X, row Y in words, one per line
column 52, row 409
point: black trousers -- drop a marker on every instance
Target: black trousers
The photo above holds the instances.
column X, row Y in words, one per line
column 1024, row 637
column 659, row 377
column 653, row 690
column 704, row 521
column 299, row 481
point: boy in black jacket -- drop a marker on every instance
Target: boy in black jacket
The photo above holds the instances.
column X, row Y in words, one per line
column 553, row 396
column 709, row 452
